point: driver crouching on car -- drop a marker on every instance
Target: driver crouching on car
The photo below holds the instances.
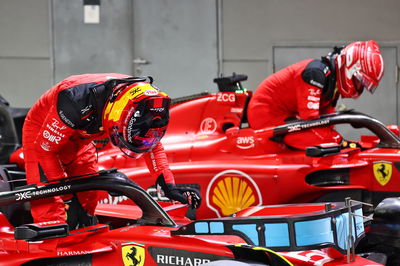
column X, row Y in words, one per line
column 59, row 130
column 310, row 88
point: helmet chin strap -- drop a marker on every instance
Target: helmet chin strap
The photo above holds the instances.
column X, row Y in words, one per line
column 329, row 91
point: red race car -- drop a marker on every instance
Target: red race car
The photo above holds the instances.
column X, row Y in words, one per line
column 211, row 147
column 143, row 233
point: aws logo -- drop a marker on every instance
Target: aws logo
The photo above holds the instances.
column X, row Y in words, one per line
column 133, row 254
column 231, row 191
column 245, row 143
column 382, row 172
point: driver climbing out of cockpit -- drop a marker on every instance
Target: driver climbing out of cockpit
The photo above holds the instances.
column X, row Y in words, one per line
column 310, row 88
column 60, row 127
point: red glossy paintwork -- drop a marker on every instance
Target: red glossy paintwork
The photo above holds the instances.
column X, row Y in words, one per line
column 110, row 247
column 226, row 165
column 233, row 171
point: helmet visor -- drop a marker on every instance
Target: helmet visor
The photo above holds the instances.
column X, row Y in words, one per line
column 366, row 82
column 139, row 145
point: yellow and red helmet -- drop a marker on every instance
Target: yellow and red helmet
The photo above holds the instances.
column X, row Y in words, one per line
column 136, row 117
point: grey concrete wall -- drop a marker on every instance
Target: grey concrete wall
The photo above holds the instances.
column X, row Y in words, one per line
column 178, row 39
column 25, row 60
column 91, row 48
column 251, row 28
column 247, row 34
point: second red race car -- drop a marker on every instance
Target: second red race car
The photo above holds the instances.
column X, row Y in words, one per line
column 302, row 234
column 211, row 147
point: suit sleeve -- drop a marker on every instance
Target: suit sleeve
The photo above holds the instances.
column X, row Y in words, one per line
column 157, row 162
column 309, row 93
column 49, row 141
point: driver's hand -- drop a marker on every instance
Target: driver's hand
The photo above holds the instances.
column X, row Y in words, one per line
column 192, row 195
column 185, row 195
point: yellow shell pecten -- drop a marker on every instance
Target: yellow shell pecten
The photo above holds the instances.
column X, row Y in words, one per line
column 233, row 194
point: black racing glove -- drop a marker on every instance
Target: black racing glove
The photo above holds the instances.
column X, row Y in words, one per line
column 185, row 195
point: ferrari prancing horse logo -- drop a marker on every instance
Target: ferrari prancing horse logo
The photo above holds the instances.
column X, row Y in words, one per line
column 382, row 171
column 133, row 255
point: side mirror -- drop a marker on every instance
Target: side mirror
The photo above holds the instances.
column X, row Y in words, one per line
column 323, row 150
column 40, row 231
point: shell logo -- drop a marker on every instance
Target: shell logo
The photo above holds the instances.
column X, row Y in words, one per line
column 231, row 191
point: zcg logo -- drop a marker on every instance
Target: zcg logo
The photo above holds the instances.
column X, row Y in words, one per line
column 226, row 97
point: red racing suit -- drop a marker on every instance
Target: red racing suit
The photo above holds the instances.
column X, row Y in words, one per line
column 303, row 90
column 57, row 140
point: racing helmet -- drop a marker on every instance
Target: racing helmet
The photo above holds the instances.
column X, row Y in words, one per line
column 136, row 117
column 359, row 66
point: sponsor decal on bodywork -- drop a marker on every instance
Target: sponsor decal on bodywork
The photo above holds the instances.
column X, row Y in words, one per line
column 208, row 126
column 73, row 253
column 169, row 256
column 308, row 125
column 226, row 97
column 313, row 257
column 236, row 110
column 30, row 194
column 230, row 191
column 47, row 223
column 133, row 254
column 382, row 171
column 245, row 142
